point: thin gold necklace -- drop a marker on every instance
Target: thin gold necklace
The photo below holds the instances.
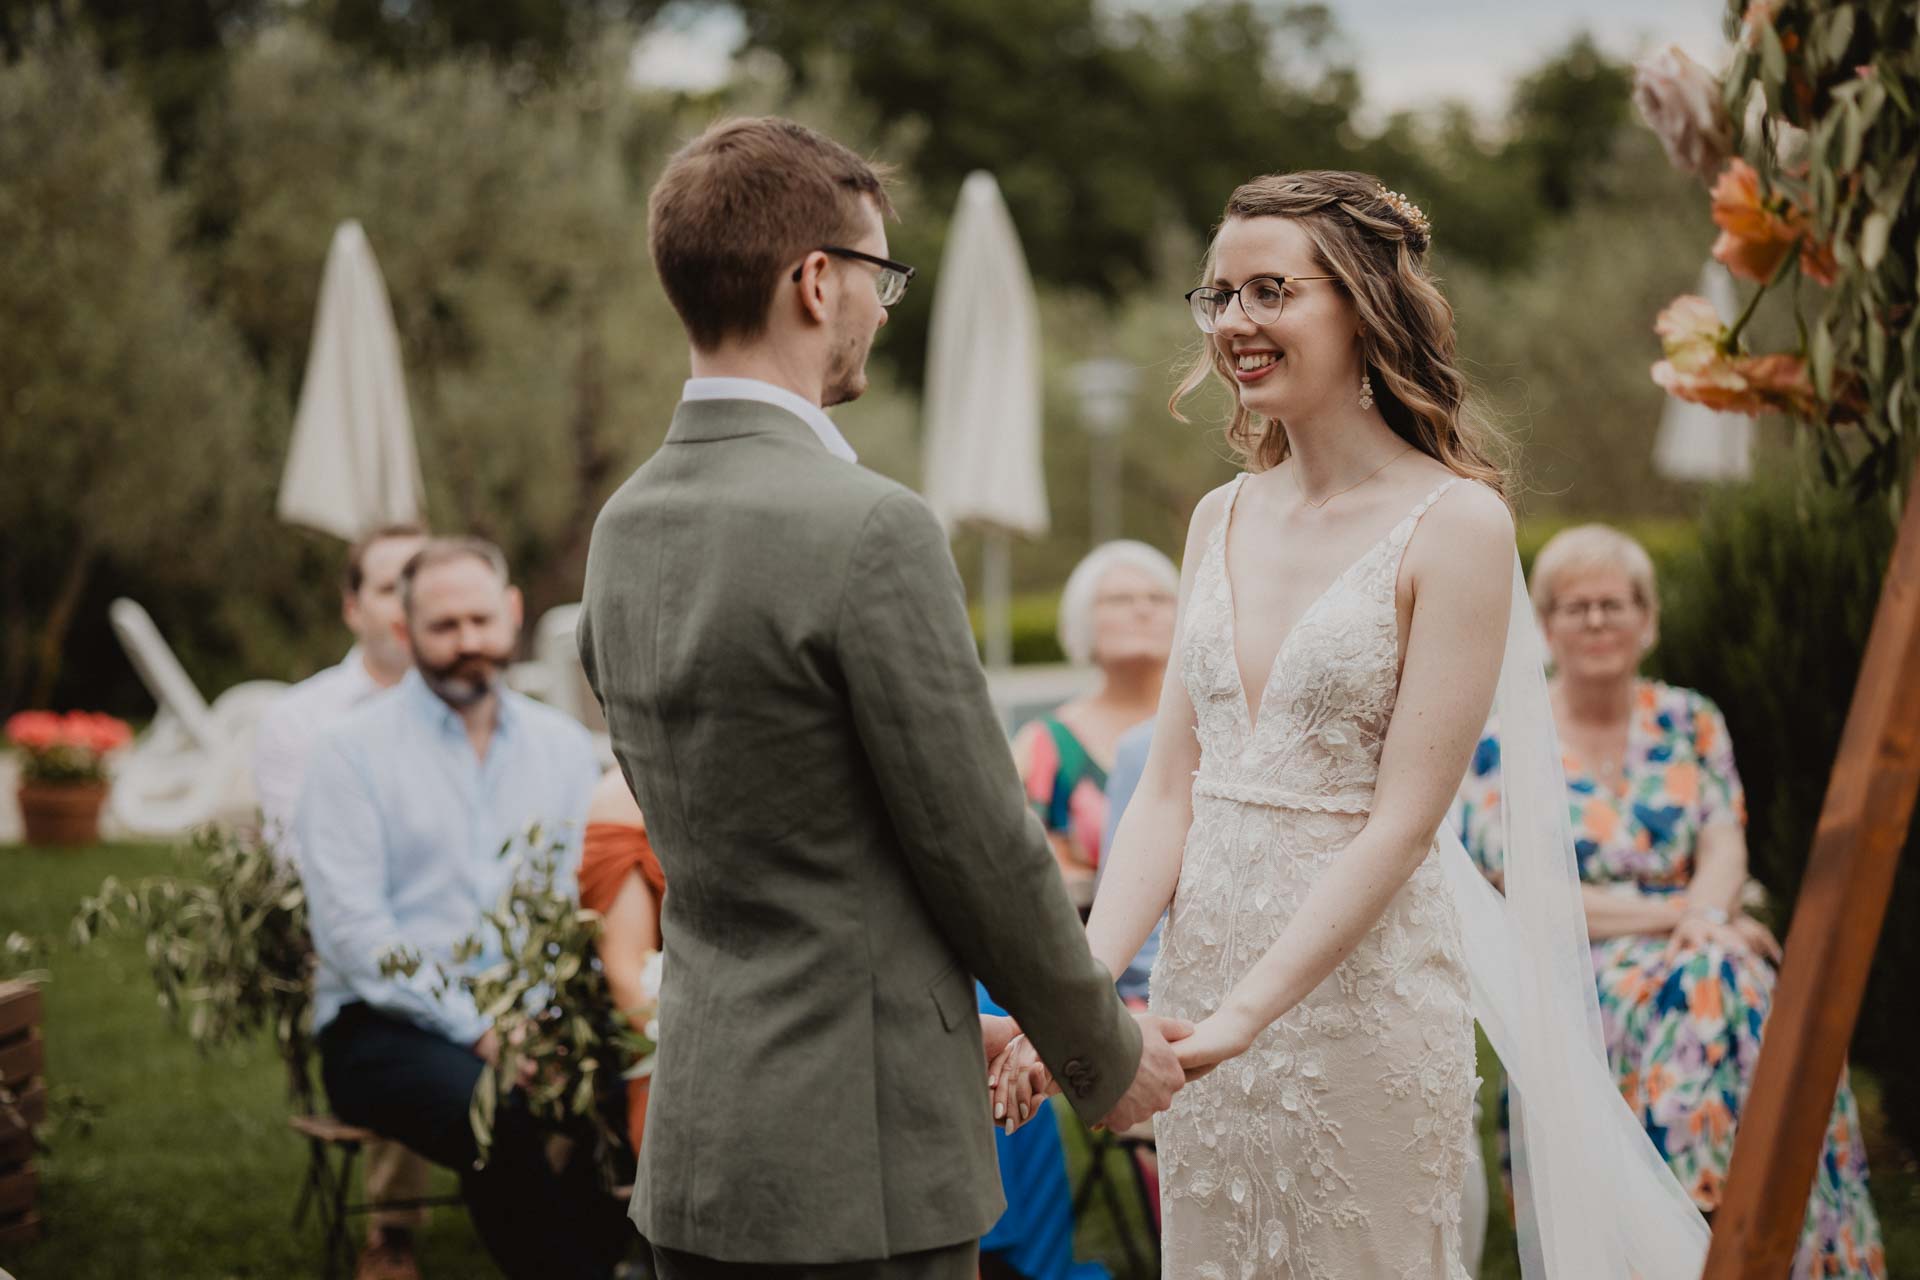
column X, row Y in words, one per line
column 1350, row 488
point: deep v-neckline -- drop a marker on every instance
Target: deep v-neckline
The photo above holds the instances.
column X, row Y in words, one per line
column 1250, row 712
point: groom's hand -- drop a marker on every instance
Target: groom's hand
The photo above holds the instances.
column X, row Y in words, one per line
column 1158, row 1077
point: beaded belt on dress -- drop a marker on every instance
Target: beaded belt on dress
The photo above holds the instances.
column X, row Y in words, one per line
column 1280, row 798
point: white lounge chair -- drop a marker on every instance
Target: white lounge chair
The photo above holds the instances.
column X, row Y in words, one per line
column 194, row 764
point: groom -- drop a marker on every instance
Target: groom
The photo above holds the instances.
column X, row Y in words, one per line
column 779, row 640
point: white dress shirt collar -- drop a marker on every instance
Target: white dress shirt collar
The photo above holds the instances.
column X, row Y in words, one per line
column 766, row 393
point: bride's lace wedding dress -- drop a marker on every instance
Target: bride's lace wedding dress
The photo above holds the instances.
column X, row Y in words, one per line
column 1335, row 1148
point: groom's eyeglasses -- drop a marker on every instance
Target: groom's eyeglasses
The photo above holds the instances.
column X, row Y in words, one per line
column 1262, row 298
column 890, row 282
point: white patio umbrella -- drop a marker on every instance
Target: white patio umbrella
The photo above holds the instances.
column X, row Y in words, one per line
column 352, row 465
column 1695, row 442
column 982, row 455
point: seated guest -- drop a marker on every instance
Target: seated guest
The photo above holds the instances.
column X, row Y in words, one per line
column 1685, row 977
column 283, row 740
column 621, row 879
column 406, row 808
column 1117, row 614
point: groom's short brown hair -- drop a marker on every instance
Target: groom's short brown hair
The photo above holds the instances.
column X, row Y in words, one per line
column 741, row 202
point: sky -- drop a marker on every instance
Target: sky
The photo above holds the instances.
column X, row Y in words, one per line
column 1410, row 53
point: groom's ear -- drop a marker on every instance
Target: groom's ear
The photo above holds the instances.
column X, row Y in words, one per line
column 811, row 286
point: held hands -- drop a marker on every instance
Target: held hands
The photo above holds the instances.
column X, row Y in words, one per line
column 1221, row 1036
column 996, row 1033
column 1019, row 1080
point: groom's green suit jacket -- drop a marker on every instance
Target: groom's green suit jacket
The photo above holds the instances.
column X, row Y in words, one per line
column 780, row 643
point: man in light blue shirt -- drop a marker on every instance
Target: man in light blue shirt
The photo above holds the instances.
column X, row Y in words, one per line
column 401, row 821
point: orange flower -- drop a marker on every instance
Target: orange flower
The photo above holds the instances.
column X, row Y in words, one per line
column 1699, row 368
column 1781, row 381
column 1818, row 262
column 1755, row 234
column 1683, row 782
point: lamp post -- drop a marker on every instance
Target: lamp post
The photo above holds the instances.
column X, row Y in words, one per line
column 1105, row 388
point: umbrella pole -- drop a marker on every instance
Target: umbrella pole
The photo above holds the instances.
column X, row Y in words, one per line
column 995, row 589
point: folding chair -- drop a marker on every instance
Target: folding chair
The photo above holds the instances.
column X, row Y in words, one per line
column 328, row 1188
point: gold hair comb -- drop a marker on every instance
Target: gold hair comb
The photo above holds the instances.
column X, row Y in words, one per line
column 1408, row 211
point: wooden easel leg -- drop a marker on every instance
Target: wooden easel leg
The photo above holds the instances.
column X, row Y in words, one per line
column 1836, row 925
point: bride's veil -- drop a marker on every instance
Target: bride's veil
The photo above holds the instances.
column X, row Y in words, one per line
column 1594, row 1198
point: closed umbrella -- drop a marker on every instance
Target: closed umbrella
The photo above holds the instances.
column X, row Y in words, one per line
column 1695, row 442
column 352, row 465
column 982, row 455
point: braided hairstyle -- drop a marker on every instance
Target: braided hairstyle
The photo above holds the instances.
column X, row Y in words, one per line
column 1376, row 242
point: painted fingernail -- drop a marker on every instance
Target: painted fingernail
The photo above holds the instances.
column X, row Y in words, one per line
column 999, row 1111
column 1023, row 1112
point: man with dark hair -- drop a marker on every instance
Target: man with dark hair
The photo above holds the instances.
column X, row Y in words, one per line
column 283, row 740
column 401, row 824
column 780, row 642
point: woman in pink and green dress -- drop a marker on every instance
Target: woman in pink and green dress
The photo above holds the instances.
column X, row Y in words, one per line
column 1685, row 976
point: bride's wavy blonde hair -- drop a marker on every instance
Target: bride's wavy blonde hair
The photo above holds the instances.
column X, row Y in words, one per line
column 1378, row 250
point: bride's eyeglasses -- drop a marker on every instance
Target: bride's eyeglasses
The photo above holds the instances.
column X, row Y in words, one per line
column 1261, row 298
column 890, row 282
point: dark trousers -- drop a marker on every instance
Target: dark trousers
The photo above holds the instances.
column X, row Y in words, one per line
column 414, row 1086
column 956, row 1262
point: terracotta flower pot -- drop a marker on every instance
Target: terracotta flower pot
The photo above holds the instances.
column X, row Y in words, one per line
column 62, row 813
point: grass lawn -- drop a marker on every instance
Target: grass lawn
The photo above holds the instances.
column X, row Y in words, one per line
column 191, row 1173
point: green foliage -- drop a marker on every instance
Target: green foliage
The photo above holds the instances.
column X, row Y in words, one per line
column 542, row 362
column 1840, row 139
column 191, row 1171
column 1565, row 118
column 562, row 1038
column 142, row 444
column 228, row 946
column 1560, row 351
column 108, row 363
column 1769, row 617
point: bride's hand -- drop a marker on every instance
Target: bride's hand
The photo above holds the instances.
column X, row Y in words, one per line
column 1019, row 1083
column 1214, row 1040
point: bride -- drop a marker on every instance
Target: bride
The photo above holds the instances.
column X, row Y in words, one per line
column 1350, row 609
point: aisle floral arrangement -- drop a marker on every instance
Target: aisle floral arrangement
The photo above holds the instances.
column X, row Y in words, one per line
column 561, row 1037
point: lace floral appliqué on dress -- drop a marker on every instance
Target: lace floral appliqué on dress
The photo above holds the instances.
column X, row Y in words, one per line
column 1336, row 1147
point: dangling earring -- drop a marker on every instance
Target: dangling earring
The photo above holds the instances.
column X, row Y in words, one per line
column 1366, row 390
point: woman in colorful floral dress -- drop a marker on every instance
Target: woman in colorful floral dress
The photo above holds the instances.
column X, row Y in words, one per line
column 1685, row 976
